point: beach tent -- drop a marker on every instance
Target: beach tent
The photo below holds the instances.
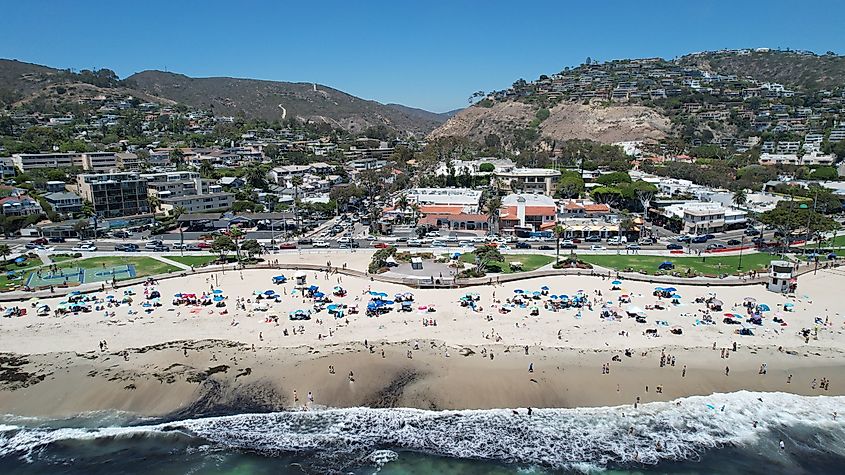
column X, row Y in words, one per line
column 300, row 277
column 279, row 279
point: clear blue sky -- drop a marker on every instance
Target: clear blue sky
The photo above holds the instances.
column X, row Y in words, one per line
column 431, row 55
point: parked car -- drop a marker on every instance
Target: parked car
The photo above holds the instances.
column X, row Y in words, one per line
column 292, row 245
column 378, row 245
column 152, row 245
column 57, row 239
column 566, row 245
column 751, row 232
column 41, row 241
column 684, row 238
column 523, row 245
column 414, row 243
column 710, row 236
column 593, row 238
column 120, row 234
column 315, row 244
column 699, row 239
column 734, row 242
column 128, row 247
column 632, row 246
column 192, row 247
column 596, row 247
column 161, row 248
column 432, row 234
column 567, row 242
column 614, row 240
column 438, row 243
column 203, row 245
column 646, row 241
column 84, row 248
column 546, row 247
column 673, row 246
column 305, row 241
column 714, row 246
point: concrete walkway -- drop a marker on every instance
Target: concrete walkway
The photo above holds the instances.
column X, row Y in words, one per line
column 171, row 262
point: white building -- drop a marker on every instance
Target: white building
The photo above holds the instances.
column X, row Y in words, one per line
column 469, row 200
column 530, row 180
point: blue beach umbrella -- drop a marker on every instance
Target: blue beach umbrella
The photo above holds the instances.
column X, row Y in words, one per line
column 616, row 282
column 670, row 289
column 218, row 291
column 518, row 291
column 676, row 296
column 763, row 307
column 269, row 292
column 218, row 298
column 545, row 287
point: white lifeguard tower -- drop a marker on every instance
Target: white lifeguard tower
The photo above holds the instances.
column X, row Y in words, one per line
column 300, row 278
column 783, row 277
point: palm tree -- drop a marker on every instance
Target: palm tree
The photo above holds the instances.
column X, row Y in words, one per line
column 558, row 231
column 178, row 211
column 740, row 198
column 154, row 203
column 206, row 169
column 236, row 234
column 492, row 205
column 402, row 205
column 296, row 182
column 80, row 227
column 5, row 251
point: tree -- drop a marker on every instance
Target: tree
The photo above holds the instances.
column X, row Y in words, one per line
column 251, row 247
column 570, row 185
column 87, row 209
column 296, row 182
column 492, row 204
column 256, row 177
column 739, row 197
column 613, row 178
column 235, row 233
column 644, row 191
column 402, row 204
column 484, row 255
column 272, row 152
column 80, row 227
column 5, row 250
column 222, row 245
column 559, row 232
column 206, row 169
column 486, row 167
column 177, row 158
column 789, row 217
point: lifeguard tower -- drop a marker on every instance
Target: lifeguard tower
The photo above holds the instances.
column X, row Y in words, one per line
column 783, row 277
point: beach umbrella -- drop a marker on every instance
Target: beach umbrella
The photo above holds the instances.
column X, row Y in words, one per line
column 75, row 292
column 616, row 282
column 319, row 295
column 545, row 287
column 763, row 307
column 749, row 299
column 659, row 288
column 269, row 292
column 717, row 302
column 422, row 307
column 218, row 298
column 788, row 305
column 554, row 297
column 518, row 291
column 218, row 291
column 670, row 289
column 676, row 296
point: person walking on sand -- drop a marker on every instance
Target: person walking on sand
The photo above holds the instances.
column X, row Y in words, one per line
column 530, row 367
column 727, row 371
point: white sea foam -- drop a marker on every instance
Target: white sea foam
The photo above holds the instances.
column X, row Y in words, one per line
column 584, row 438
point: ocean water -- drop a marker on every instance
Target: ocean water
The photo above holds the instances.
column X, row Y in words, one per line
column 695, row 435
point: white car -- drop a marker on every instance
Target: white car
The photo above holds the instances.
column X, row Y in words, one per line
column 415, row 243
column 596, row 247
column 371, row 238
column 438, row 243
column 433, row 234
column 84, row 248
column 343, row 240
column 320, row 244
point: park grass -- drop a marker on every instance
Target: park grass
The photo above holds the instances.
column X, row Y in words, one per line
column 196, row 261
column 704, row 265
column 529, row 262
column 7, row 284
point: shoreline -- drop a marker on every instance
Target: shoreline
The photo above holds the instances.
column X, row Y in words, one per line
column 224, row 378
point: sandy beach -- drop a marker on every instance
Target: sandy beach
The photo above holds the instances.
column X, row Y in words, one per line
column 195, row 360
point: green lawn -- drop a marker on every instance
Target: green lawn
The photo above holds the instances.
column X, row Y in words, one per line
column 708, row 265
column 144, row 266
column 836, row 243
column 20, row 271
column 529, row 261
column 196, row 261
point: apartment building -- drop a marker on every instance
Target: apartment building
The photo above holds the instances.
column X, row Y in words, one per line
column 187, row 190
column 529, row 180
column 31, row 161
column 114, row 194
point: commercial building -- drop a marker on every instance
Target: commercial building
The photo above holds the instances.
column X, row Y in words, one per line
column 465, row 199
column 696, row 217
column 529, row 180
column 187, row 190
column 114, row 194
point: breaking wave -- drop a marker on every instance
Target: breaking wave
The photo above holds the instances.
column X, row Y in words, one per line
column 582, row 439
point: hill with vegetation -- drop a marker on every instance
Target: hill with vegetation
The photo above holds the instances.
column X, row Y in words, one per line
column 799, row 69
column 35, row 88
column 274, row 100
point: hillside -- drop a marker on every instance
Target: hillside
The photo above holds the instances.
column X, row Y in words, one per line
column 278, row 100
column 607, row 124
column 793, row 69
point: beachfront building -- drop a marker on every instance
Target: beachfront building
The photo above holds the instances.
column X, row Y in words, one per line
column 697, row 217
column 529, row 180
column 20, row 205
column 527, row 213
column 188, row 191
column 64, row 202
column 114, row 194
